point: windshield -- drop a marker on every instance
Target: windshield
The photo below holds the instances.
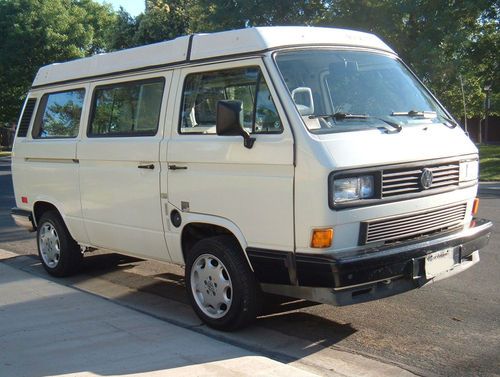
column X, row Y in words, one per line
column 344, row 90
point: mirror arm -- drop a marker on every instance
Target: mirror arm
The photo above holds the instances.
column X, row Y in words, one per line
column 248, row 142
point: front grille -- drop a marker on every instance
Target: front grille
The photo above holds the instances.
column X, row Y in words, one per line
column 413, row 225
column 402, row 181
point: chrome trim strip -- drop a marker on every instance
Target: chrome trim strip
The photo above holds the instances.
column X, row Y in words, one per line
column 52, row 160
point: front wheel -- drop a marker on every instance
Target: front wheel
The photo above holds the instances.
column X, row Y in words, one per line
column 222, row 288
column 58, row 251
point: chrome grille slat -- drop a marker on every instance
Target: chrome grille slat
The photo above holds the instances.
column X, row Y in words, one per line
column 441, row 184
column 401, row 184
column 382, row 227
column 399, row 191
column 418, row 226
column 444, row 167
column 444, row 178
column 391, row 180
column 415, row 225
column 403, row 172
column 415, row 233
column 400, row 181
column 417, row 216
column 444, row 172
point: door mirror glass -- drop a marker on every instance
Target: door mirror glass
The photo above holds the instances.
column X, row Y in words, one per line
column 228, row 121
column 304, row 101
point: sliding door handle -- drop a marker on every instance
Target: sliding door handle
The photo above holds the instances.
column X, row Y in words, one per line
column 147, row 166
column 175, row 167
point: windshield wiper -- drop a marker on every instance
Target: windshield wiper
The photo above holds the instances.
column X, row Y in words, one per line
column 341, row 116
column 413, row 114
column 451, row 123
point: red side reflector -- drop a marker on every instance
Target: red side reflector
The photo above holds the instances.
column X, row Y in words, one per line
column 24, row 199
column 475, row 206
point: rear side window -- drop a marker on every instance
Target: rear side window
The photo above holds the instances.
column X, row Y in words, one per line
column 59, row 115
column 203, row 90
column 127, row 109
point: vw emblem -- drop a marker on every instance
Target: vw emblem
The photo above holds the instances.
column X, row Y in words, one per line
column 426, row 178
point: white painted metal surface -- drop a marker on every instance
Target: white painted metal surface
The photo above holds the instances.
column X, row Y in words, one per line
column 120, row 201
column 253, row 188
column 204, row 46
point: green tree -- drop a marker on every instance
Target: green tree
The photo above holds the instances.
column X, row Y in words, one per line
column 217, row 15
column 162, row 20
column 441, row 40
column 122, row 32
column 39, row 32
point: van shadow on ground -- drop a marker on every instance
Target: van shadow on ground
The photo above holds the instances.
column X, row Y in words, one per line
column 162, row 296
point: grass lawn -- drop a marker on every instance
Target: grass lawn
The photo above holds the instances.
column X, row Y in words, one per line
column 489, row 162
column 4, row 154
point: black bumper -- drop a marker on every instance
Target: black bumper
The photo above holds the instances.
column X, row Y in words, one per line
column 364, row 266
column 367, row 268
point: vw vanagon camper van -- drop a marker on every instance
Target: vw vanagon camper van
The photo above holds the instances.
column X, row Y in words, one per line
column 301, row 161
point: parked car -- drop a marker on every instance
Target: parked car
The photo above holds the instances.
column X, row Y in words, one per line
column 308, row 162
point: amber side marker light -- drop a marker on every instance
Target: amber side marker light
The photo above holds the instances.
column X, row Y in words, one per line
column 475, row 206
column 322, row 238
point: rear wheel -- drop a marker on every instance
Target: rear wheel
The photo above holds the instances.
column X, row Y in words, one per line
column 59, row 253
column 220, row 284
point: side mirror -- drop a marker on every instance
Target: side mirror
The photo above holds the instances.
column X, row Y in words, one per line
column 304, row 101
column 228, row 122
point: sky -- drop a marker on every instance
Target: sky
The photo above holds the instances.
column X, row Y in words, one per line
column 133, row 7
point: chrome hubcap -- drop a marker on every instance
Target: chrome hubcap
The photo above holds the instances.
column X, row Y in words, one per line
column 211, row 286
column 50, row 247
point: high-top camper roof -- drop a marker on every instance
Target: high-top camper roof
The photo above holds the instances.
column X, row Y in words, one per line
column 203, row 46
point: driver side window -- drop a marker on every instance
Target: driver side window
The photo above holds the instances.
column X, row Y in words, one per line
column 203, row 90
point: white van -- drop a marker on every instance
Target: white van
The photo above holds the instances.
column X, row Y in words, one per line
column 302, row 161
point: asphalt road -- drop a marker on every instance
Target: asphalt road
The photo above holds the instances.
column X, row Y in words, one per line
column 451, row 328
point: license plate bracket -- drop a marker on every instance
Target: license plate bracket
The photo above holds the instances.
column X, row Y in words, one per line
column 440, row 261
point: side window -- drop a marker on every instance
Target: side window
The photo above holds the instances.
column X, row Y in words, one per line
column 59, row 115
column 126, row 109
column 203, row 90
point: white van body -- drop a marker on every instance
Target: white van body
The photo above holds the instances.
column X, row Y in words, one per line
column 314, row 212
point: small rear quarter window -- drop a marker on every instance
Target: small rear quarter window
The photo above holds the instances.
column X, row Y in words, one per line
column 59, row 115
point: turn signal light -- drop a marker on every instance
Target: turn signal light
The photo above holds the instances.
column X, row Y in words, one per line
column 322, row 238
column 475, row 206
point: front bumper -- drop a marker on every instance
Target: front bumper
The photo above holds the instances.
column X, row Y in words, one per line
column 23, row 218
column 365, row 275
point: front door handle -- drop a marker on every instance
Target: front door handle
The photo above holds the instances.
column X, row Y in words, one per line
column 147, row 166
column 175, row 167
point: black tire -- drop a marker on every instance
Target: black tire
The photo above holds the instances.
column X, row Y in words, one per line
column 58, row 251
column 244, row 290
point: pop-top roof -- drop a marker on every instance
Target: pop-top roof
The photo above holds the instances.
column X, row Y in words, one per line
column 204, row 46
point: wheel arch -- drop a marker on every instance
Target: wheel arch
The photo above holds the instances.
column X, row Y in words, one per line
column 197, row 230
column 42, row 206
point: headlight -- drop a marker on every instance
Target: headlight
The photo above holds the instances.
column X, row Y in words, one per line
column 468, row 170
column 353, row 188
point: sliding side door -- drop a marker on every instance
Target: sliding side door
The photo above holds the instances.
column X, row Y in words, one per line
column 119, row 165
